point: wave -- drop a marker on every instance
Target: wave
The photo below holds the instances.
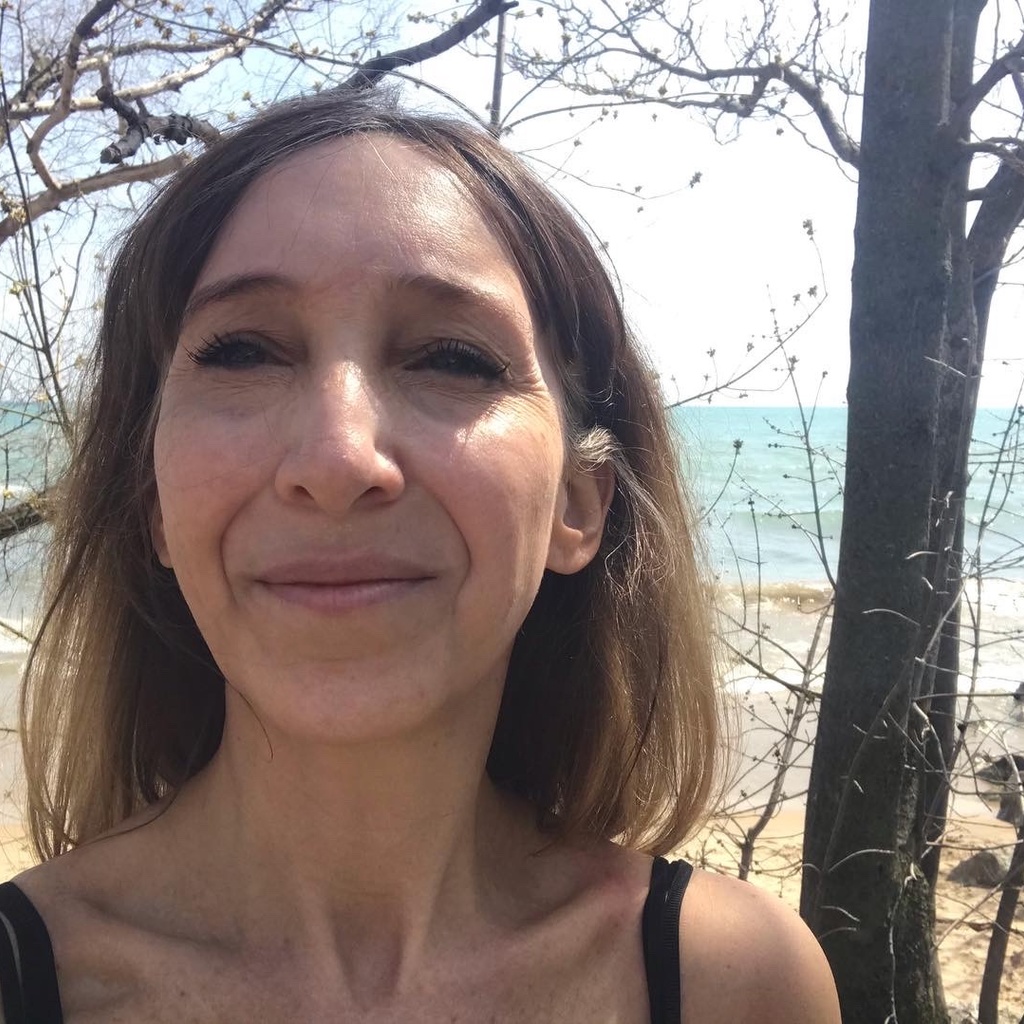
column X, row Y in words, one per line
column 798, row 594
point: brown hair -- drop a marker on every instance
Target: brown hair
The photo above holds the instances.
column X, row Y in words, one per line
column 609, row 720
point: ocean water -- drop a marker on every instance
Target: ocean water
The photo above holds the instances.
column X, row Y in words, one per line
column 31, row 458
column 759, row 478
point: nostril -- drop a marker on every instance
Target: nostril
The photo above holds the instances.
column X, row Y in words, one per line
column 338, row 469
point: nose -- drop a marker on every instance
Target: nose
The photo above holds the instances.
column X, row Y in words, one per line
column 338, row 444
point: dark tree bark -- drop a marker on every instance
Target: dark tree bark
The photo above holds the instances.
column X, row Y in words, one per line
column 988, row 1000
column 920, row 296
column 23, row 516
column 864, row 895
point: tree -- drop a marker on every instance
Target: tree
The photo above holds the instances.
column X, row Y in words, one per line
column 930, row 245
column 76, row 93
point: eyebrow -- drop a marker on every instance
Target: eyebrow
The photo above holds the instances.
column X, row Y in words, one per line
column 447, row 292
column 439, row 289
column 236, row 286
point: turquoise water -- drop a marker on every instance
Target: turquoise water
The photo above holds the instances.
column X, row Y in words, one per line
column 751, row 471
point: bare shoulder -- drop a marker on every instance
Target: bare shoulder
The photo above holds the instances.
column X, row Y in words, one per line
column 746, row 957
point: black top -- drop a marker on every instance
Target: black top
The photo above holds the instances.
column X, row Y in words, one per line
column 28, row 974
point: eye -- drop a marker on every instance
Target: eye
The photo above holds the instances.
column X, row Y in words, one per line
column 460, row 359
column 232, row 351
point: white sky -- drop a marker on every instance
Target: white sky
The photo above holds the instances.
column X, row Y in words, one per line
column 702, row 267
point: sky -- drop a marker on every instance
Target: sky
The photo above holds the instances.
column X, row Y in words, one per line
column 724, row 265
column 712, row 271
column 701, row 267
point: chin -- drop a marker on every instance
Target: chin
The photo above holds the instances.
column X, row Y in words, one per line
column 335, row 708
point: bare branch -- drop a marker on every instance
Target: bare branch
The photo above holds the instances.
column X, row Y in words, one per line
column 844, row 146
column 237, row 43
column 1011, row 63
column 998, row 216
column 51, row 199
column 140, row 125
column 69, row 76
column 373, row 70
column 23, row 516
column 1007, row 150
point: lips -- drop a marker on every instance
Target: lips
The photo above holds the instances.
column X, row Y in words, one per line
column 325, row 571
column 332, row 585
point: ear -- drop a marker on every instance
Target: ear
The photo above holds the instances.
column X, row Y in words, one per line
column 578, row 526
column 158, row 536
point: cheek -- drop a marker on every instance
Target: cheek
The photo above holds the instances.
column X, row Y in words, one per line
column 516, row 473
column 205, row 469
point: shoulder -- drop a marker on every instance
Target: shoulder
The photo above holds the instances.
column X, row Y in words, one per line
column 746, row 957
column 86, row 909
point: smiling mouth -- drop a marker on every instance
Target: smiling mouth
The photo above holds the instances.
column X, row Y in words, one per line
column 331, row 583
column 334, row 598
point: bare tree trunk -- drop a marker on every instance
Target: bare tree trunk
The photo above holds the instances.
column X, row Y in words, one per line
column 864, row 894
column 922, row 287
column 23, row 516
column 958, row 398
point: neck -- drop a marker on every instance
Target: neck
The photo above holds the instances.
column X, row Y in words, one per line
column 380, row 849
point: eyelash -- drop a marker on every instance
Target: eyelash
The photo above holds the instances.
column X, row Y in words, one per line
column 460, row 359
column 447, row 355
column 230, row 350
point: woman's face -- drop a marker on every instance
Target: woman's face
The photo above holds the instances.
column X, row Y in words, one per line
column 359, row 456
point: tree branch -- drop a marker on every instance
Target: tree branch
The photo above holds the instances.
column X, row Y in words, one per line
column 998, row 216
column 49, row 200
column 178, row 128
column 140, row 125
column 1011, row 63
column 372, row 71
column 23, row 516
column 69, row 76
column 844, row 146
column 1008, row 151
column 236, row 45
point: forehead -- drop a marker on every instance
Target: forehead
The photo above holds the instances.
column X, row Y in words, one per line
column 372, row 205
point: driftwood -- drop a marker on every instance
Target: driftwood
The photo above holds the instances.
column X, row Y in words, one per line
column 23, row 516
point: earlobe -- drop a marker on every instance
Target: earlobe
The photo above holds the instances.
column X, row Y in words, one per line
column 579, row 520
column 157, row 535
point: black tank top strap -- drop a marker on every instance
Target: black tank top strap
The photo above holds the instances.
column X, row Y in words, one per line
column 661, row 938
column 28, row 972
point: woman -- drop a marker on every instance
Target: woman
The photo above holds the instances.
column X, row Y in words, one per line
column 375, row 620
